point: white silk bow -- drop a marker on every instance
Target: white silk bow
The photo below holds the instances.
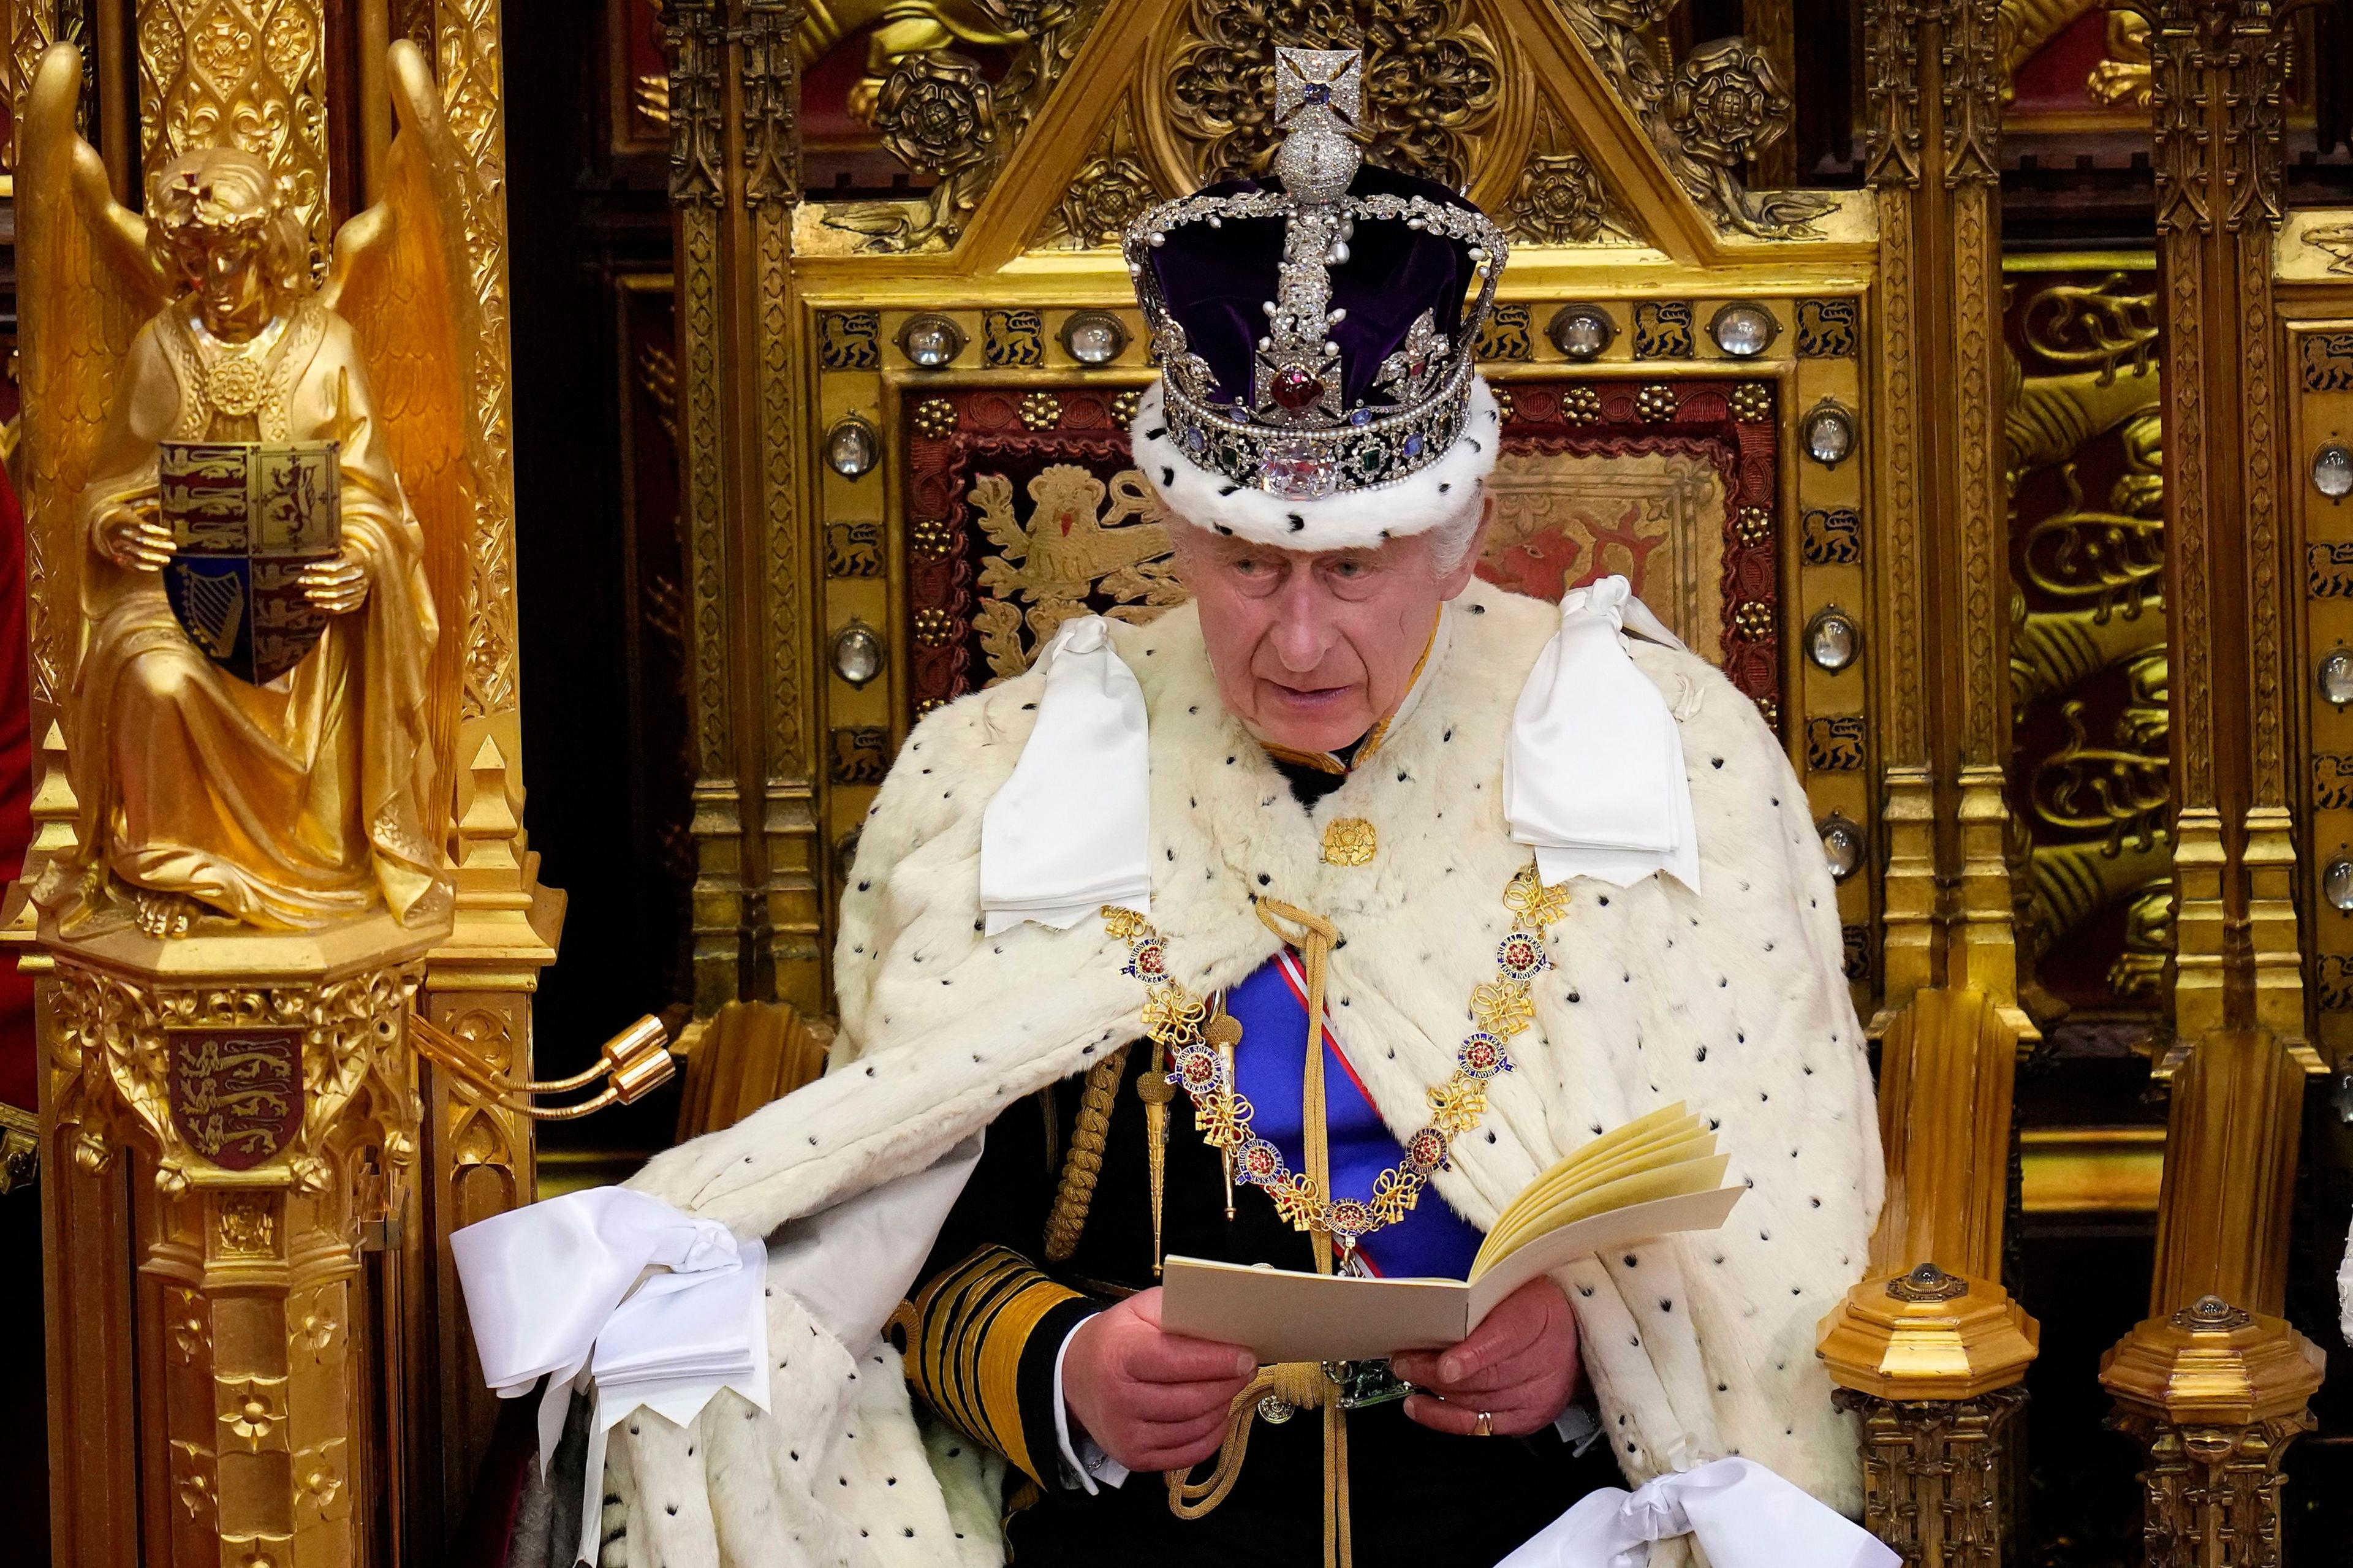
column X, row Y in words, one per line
column 1069, row 831
column 553, row 1289
column 1743, row 1515
column 1594, row 776
column 541, row 1282
column 578, row 1283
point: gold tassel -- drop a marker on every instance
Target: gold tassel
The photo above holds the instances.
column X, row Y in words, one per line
column 1075, row 1193
column 1155, row 1089
column 1223, row 1032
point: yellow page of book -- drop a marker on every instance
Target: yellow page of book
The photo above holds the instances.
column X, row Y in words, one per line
column 1687, row 1141
column 1680, row 1179
column 1662, row 1139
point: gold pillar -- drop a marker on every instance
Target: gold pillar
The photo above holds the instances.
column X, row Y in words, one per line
column 2214, row 1383
column 2216, row 1391
column 88, row 1279
column 52, row 621
column 477, row 1154
column 2234, row 1387
column 1929, row 1348
column 790, row 958
column 1930, row 1352
column 1933, row 1483
column 758, row 893
column 478, row 1157
column 132, row 1481
column 694, row 35
column 258, row 1087
column 1934, row 174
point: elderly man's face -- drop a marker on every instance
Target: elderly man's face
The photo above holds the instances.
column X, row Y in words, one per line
column 1312, row 651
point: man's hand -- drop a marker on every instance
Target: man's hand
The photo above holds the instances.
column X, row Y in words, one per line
column 1152, row 1400
column 337, row 586
column 1520, row 1366
column 136, row 535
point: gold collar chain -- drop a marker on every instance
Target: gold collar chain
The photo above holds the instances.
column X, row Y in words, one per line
column 1180, row 1023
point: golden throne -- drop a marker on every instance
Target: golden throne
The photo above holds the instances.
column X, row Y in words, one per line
column 1802, row 421
column 1826, row 433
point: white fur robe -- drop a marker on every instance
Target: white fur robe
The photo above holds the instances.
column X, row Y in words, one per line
column 1732, row 1002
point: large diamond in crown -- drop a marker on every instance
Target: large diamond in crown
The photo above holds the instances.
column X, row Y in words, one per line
column 1316, row 333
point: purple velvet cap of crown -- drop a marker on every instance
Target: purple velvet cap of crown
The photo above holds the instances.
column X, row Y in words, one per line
column 1216, row 283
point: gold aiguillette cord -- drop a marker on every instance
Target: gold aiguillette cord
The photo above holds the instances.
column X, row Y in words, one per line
column 1292, row 1385
column 1319, row 936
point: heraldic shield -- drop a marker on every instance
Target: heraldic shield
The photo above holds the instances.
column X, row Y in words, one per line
column 236, row 1093
column 248, row 517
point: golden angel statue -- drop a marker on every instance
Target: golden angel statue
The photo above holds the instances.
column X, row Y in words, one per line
column 257, row 490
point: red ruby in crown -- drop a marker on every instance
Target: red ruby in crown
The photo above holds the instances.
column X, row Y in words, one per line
column 1296, row 388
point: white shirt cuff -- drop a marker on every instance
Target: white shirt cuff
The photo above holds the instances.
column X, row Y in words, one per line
column 1084, row 1464
column 1578, row 1425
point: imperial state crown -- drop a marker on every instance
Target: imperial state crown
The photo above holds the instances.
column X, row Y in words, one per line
column 1316, row 329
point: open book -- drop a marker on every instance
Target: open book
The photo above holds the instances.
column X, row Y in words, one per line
column 1651, row 1177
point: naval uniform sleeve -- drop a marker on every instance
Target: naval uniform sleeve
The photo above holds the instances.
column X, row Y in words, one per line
column 985, row 1326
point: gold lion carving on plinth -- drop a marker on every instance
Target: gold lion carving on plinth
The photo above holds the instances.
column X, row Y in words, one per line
column 255, row 488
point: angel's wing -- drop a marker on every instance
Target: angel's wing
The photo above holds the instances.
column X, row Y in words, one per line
column 399, row 277
column 85, row 286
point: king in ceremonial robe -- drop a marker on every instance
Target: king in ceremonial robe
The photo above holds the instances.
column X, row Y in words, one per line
column 1305, row 925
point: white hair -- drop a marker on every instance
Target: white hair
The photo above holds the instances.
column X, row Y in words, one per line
column 1450, row 539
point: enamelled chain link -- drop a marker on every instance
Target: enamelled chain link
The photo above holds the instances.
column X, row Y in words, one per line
column 1176, row 1019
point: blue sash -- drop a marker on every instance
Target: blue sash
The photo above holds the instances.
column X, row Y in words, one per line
column 1432, row 1241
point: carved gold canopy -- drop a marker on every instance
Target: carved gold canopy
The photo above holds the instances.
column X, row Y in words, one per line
column 1685, row 360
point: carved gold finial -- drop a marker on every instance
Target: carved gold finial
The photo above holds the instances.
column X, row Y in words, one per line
column 487, row 833
column 53, row 806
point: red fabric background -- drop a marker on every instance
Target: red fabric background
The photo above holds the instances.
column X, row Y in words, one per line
column 16, row 1054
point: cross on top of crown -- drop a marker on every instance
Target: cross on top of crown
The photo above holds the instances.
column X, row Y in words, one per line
column 1328, row 79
